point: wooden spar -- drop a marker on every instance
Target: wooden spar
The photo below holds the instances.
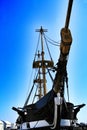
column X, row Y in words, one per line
column 68, row 13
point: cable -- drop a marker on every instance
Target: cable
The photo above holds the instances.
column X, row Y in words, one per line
column 37, row 46
column 48, row 48
column 27, row 100
column 50, row 75
column 35, row 95
column 51, row 41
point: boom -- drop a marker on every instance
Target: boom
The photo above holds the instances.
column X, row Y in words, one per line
column 66, row 41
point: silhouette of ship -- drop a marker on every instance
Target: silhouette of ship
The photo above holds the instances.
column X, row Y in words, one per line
column 51, row 111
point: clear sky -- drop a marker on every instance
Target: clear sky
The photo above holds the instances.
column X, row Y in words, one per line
column 18, row 39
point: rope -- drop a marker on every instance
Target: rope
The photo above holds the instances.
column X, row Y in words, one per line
column 48, row 48
column 37, row 46
column 52, row 41
column 67, row 88
column 27, row 100
column 50, row 75
column 35, row 94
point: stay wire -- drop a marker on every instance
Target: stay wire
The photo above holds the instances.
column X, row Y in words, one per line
column 28, row 97
column 48, row 48
column 51, row 41
column 35, row 94
column 37, row 46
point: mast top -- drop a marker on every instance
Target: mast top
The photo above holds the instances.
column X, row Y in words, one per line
column 41, row 30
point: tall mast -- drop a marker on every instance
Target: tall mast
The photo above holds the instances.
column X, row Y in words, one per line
column 41, row 30
column 42, row 64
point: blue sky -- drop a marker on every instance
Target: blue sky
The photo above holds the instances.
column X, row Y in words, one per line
column 18, row 39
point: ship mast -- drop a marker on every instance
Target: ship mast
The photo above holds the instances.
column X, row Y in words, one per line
column 41, row 30
column 42, row 64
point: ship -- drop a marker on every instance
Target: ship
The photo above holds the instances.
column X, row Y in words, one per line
column 51, row 111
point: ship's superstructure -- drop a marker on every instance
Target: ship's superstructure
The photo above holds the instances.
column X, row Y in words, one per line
column 52, row 111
